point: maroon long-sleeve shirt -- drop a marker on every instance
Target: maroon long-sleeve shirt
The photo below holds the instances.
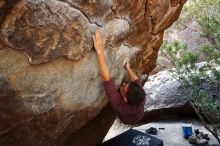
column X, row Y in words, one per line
column 128, row 114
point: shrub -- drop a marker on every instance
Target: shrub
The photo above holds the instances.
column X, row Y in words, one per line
column 207, row 14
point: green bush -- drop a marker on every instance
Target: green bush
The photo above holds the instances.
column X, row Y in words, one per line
column 191, row 76
column 211, row 53
column 207, row 14
column 217, row 39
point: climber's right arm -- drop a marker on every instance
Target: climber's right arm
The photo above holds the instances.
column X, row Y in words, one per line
column 132, row 75
column 99, row 47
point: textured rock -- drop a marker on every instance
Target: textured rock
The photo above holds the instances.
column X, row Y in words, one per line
column 164, row 92
column 49, row 81
column 165, row 98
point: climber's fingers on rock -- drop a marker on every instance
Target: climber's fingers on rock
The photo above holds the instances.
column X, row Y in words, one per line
column 126, row 63
column 98, row 33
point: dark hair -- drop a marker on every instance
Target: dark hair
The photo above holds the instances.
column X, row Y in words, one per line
column 135, row 93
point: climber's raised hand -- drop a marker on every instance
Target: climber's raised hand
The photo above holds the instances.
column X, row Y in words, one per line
column 98, row 40
column 127, row 66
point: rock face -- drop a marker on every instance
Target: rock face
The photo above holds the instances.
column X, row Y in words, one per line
column 163, row 92
column 49, row 81
column 165, row 97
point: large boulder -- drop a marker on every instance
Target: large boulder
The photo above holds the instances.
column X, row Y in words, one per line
column 164, row 91
column 165, row 97
column 50, row 86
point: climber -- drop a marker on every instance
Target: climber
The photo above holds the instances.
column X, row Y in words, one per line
column 128, row 101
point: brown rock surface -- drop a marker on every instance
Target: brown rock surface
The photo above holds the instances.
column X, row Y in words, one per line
column 49, row 80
